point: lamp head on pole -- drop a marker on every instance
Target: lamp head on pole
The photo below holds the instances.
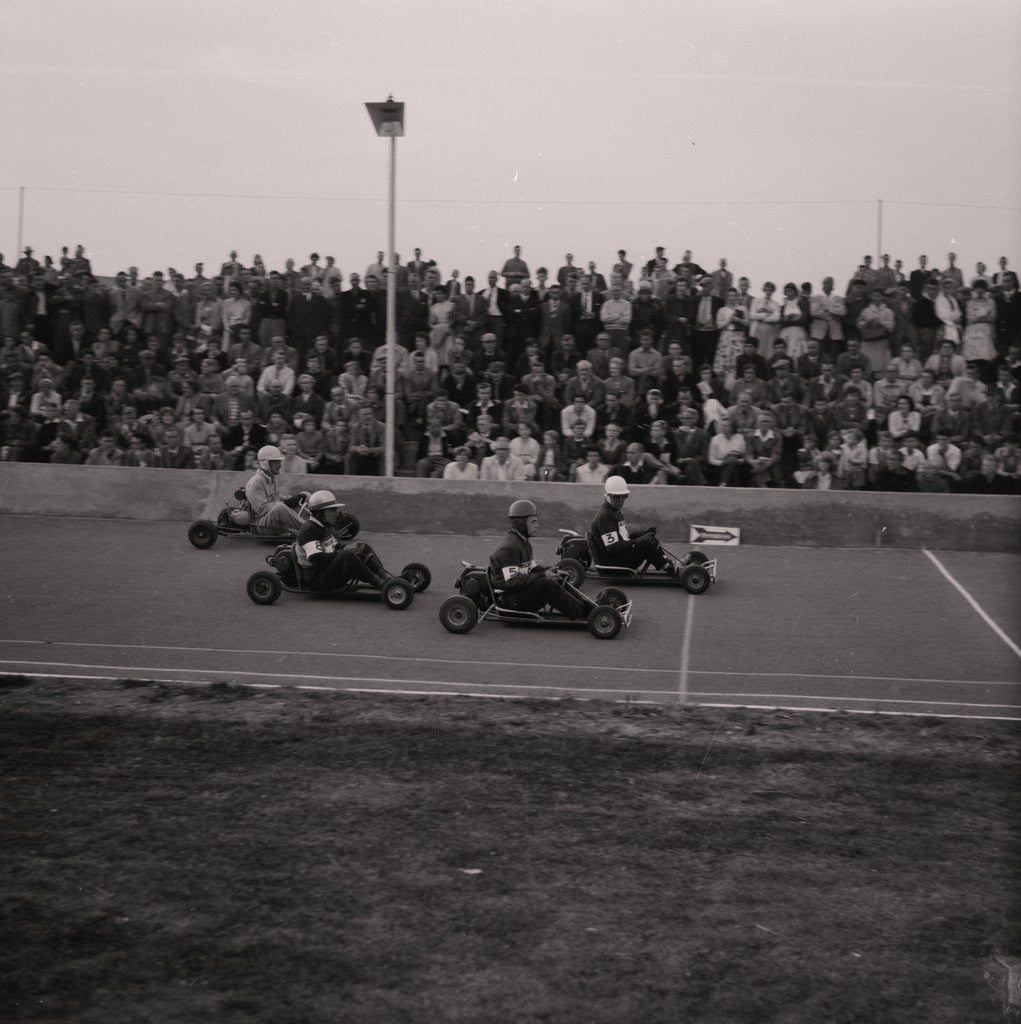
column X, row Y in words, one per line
column 387, row 118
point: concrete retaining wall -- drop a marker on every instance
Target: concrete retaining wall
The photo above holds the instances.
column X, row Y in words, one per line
column 961, row 522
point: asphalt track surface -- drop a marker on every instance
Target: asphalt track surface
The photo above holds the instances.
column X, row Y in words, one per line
column 861, row 630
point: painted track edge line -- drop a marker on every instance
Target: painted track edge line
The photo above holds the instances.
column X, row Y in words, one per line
column 976, row 607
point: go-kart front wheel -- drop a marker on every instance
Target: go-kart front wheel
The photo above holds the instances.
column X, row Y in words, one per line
column 573, row 570
column 697, row 558
column 263, row 587
column 695, row 579
column 612, row 596
column 397, row 594
column 202, row 534
column 459, row 614
column 604, row 622
column 418, row 575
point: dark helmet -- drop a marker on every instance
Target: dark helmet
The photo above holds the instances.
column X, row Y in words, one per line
column 522, row 508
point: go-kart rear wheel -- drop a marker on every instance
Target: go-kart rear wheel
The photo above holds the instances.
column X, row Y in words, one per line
column 573, row 569
column 604, row 622
column 263, row 587
column 458, row 614
column 347, row 526
column 695, row 579
column 397, row 594
column 202, row 534
column 612, row 596
column 697, row 558
column 418, row 575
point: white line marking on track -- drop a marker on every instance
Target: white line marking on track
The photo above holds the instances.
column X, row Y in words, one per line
column 510, row 696
column 689, row 616
column 979, row 610
column 228, row 675
column 347, row 655
column 452, row 683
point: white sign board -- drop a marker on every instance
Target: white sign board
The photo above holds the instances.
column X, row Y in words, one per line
column 730, row 535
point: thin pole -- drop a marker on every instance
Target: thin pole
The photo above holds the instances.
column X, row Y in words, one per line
column 879, row 231
column 21, row 220
column 391, row 321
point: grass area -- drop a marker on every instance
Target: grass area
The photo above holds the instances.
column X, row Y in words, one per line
column 177, row 855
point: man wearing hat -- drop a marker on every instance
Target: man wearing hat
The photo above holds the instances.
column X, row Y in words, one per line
column 27, row 265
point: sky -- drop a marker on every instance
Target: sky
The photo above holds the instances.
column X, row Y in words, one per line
column 790, row 137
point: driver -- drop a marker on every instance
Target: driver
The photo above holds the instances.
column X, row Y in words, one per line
column 325, row 561
column 269, row 508
column 612, row 542
column 518, row 581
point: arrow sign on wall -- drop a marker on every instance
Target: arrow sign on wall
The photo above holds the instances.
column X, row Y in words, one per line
column 715, row 535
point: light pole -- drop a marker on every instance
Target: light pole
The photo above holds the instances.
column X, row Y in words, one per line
column 388, row 120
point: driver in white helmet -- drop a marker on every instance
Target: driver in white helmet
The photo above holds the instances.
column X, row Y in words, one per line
column 613, row 543
column 270, row 509
column 518, row 581
column 326, row 561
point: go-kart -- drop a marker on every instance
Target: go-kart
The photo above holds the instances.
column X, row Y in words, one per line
column 476, row 601
column 397, row 592
column 235, row 522
column 697, row 571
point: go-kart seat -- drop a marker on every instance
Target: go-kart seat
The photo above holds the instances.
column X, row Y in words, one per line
column 478, row 586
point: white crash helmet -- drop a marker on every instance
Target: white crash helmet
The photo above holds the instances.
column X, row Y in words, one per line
column 269, row 453
column 320, row 501
column 616, row 486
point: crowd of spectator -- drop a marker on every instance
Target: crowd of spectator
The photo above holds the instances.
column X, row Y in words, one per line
column 665, row 374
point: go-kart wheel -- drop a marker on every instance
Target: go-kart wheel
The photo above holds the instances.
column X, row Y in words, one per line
column 418, row 575
column 697, row 558
column 573, row 569
column 348, row 526
column 604, row 622
column 695, row 579
column 458, row 614
column 202, row 534
column 578, row 550
column 612, row 596
column 263, row 587
column 397, row 594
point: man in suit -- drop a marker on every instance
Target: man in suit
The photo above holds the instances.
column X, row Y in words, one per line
column 704, row 334
column 1008, row 313
column 246, row 435
column 920, row 277
column 555, row 322
column 232, row 403
column 828, row 312
column 172, row 454
column 412, row 312
column 419, row 266
column 496, row 305
column 470, row 313
column 924, row 322
column 126, row 301
column 522, row 320
column 598, row 281
column 308, row 314
column 585, row 307
column 356, row 310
